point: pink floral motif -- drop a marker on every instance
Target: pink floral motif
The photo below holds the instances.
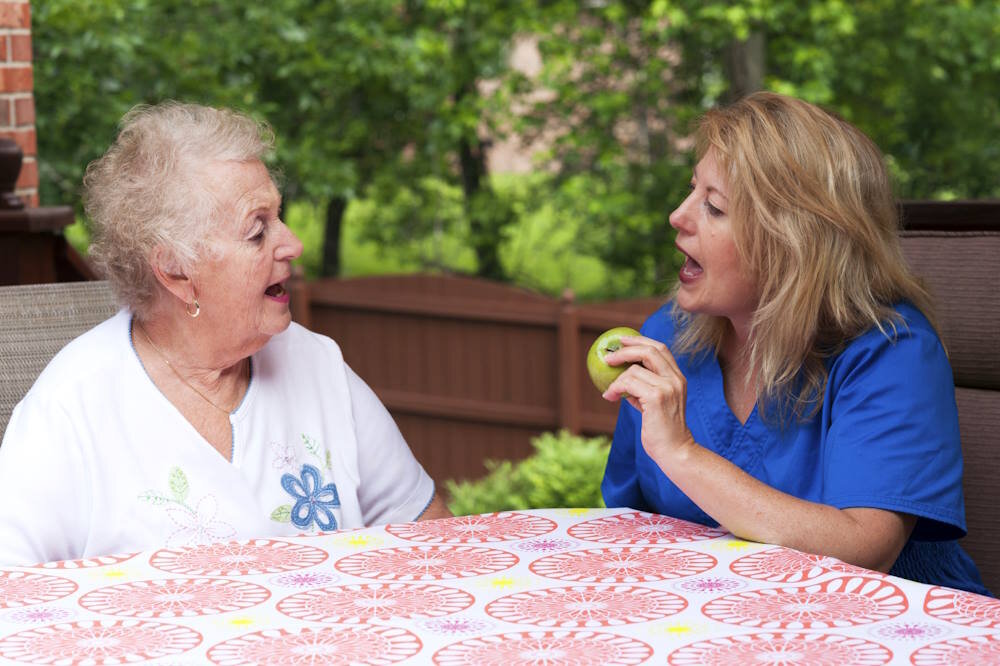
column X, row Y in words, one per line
column 783, row 565
column 908, row 631
column 546, row 545
column 965, row 650
column 641, row 529
column 38, row 615
column 99, row 642
column 486, row 528
column 412, row 563
column 710, row 585
column 545, row 648
column 840, row 602
column 374, row 601
column 311, row 647
column 238, row 558
column 304, row 579
column 456, row 625
column 963, row 608
column 88, row 562
column 622, row 565
column 586, row 606
column 784, row 649
column 174, row 597
column 25, row 588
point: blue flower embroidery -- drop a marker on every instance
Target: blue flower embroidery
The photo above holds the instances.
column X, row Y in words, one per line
column 312, row 501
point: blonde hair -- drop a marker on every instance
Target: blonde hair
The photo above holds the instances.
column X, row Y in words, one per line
column 147, row 190
column 816, row 224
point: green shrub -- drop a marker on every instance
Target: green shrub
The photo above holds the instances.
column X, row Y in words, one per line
column 564, row 471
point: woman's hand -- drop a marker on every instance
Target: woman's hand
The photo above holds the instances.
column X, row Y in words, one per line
column 656, row 387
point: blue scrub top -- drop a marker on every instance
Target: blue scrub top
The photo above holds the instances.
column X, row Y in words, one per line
column 886, row 438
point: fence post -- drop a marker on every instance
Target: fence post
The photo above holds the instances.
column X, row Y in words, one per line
column 298, row 289
column 569, row 363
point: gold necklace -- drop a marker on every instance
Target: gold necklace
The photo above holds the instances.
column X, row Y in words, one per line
column 178, row 374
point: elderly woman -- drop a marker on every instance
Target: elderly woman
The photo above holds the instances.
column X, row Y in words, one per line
column 795, row 390
column 199, row 412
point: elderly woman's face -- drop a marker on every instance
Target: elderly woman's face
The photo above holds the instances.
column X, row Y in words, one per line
column 241, row 286
column 711, row 281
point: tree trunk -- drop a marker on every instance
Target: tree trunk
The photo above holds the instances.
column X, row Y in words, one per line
column 335, row 208
column 745, row 64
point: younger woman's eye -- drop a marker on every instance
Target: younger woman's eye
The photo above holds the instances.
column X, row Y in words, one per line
column 712, row 210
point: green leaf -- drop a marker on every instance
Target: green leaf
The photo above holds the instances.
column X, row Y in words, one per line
column 283, row 514
column 178, row 484
column 154, row 498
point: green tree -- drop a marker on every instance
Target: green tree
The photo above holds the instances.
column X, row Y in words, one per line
column 625, row 78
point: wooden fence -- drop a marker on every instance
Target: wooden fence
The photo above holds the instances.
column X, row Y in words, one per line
column 469, row 369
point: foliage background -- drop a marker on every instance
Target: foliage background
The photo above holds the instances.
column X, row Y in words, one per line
column 385, row 111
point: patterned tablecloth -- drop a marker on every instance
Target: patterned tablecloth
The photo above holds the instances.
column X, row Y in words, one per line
column 557, row 586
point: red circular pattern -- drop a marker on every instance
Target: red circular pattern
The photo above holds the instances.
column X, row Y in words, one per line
column 237, row 558
column 485, row 528
column 545, row 648
column 963, row 608
column 426, row 562
column 586, row 606
column 88, row 563
column 175, row 597
column 315, row 647
column 21, row 588
column 375, row 601
column 782, row 649
column 782, row 565
column 622, row 565
column 642, row 529
column 99, row 642
column 967, row 650
column 840, row 602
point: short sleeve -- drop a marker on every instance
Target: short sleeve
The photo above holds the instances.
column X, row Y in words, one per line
column 393, row 486
column 893, row 440
column 44, row 498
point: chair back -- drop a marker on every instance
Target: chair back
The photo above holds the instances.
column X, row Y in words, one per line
column 955, row 249
column 36, row 321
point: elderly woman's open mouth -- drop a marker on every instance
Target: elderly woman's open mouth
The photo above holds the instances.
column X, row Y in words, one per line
column 277, row 292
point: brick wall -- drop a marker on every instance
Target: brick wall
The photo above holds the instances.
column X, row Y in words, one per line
column 17, row 102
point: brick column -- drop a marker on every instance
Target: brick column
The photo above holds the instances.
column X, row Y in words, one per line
column 17, row 102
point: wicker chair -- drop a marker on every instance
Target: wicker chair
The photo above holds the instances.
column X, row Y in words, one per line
column 38, row 320
column 955, row 248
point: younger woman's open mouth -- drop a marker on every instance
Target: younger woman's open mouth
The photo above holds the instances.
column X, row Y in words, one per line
column 690, row 271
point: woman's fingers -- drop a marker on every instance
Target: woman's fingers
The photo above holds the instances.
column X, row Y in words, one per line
column 650, row 353
column 647, row 387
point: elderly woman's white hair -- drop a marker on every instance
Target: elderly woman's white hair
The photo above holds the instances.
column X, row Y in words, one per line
column 146, row 192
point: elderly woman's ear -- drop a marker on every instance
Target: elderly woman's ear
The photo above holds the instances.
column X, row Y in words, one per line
column 171, row 275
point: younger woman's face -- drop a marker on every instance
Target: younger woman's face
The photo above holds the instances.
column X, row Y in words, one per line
column 712, row 280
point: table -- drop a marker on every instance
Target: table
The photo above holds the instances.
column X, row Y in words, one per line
column 543, row 587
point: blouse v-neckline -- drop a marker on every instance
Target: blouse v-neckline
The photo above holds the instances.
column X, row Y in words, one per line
column 713, row 409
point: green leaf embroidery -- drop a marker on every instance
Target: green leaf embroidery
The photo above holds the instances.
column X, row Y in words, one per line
column 283, row 514
column 329, row 461
column 178, row 484
column 311, row 445
column 154, row 498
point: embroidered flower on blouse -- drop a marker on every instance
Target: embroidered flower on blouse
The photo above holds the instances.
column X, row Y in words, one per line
column 194, row 524
column 283, row 456
column 313, row 502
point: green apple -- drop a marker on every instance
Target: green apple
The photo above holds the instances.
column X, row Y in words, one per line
column 609, row 341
